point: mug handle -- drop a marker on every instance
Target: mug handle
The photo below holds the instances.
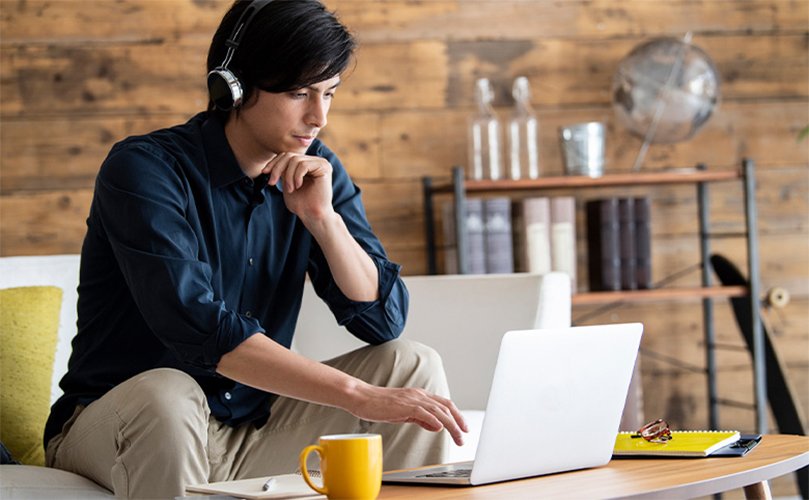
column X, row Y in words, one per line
column 305, row 473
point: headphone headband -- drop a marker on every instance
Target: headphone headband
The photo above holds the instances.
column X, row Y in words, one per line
column 224, row 88
column 249, row 12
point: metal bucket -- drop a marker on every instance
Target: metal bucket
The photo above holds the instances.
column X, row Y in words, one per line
column 583, row 148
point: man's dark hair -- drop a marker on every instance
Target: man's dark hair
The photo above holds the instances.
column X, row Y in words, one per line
column 289, row 45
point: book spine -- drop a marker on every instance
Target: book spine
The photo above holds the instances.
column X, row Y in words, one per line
column 603, row 250
column 499, row 250
column 563, row 237
column 475, row 236
column 450, row 245
column 626, row 215
column 536, row 226
column 643, row 244
column 518, row 236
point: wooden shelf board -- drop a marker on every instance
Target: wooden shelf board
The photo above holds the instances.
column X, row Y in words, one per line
column 661, row 294
column 678, row 176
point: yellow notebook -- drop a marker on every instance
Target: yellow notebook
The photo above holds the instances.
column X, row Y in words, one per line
column 682, row 444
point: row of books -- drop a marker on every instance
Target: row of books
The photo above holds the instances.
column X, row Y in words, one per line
column 619, row 244
column 538, row 235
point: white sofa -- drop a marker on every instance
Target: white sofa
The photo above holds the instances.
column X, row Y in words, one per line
column 463, row 317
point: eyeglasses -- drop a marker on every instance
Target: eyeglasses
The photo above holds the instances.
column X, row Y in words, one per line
column 655, row 432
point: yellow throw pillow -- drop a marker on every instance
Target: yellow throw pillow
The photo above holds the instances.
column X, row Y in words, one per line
column 29, row 328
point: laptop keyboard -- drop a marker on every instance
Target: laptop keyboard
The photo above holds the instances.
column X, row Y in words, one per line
column 450, row 473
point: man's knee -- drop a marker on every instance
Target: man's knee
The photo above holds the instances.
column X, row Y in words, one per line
column 167, row 395
column 411, row 354
column 396, row 363
column 414, row 364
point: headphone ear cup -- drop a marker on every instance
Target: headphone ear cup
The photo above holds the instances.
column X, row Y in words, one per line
column 224, row 89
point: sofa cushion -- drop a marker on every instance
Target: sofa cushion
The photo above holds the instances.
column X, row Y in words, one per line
column 49, row 270
column 29, row 323
column 31, row 482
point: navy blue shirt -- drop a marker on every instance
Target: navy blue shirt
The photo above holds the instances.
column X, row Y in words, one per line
column 185, row 257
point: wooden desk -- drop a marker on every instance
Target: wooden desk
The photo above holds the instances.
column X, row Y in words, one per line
column 641, row 478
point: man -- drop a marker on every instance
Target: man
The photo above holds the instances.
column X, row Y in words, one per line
column 198, row 242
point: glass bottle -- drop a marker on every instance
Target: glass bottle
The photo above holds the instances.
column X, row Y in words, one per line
column 485, row 143
column 523, row 130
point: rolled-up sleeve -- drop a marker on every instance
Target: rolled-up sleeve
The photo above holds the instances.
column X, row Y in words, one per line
column 373, row 322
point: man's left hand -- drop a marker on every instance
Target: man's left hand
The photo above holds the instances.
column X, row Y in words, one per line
column 306, row 182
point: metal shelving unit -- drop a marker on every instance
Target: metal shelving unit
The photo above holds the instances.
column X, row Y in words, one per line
column 459, row 187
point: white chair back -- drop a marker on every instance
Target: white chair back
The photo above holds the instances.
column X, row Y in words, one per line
column 463, row 317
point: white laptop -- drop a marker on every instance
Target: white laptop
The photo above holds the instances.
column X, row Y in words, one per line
column 555, row 405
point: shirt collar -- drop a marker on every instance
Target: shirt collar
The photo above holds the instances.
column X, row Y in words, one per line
column 222, row 165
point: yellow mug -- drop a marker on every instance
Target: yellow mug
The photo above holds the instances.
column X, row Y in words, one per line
column 350, row 464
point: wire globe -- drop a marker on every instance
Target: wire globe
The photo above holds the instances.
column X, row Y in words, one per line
column 667, row 87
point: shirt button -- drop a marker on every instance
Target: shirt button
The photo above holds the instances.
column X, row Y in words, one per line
column 228, row 396
column 250, row 261
column 249, row 314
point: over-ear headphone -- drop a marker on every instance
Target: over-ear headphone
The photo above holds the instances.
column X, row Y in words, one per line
column 224, row 88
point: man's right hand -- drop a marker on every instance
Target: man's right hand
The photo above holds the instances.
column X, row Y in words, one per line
column 408, row 405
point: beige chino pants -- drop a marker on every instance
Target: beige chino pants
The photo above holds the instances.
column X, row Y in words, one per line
column 152, row 435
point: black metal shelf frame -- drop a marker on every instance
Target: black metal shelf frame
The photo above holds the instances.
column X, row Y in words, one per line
column 701, row 178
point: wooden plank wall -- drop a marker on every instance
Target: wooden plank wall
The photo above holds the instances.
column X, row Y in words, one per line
column 78, row 75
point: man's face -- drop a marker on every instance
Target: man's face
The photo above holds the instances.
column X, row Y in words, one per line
column 287, row 121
